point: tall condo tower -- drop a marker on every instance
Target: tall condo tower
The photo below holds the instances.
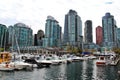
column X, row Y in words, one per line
column 20, row 34
column 72, row 28
column 88, row 32
column 99, row 35
column 52, row 33
column 109, row 31
column 3, row 35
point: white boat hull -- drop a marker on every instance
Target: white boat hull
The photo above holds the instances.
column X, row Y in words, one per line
column 6, row 67
column 19, row 65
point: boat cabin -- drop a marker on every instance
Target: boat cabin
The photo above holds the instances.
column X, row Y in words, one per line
column 5, row 57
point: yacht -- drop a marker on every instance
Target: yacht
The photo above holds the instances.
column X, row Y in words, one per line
column 44, row 60
column 20, row 65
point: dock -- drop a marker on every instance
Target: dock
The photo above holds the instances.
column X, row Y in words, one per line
column 114, row 62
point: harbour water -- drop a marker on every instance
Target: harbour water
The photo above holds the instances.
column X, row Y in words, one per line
column 82, row 70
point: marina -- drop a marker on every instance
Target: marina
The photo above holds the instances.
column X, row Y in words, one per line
column 77, row 47
column 59, row 67
column 81, row 70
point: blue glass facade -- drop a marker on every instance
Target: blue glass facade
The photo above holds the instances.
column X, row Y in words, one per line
column 72, row 28
column 52, row 33
column 3, row 30
column 21, row 34
column 109, row 31
column 118, row 37
column 10, row 37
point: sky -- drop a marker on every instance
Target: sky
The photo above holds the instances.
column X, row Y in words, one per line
column 34, row 12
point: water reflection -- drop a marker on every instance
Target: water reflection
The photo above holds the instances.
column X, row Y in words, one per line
column 6, row 75
column 56, row 72
column 83, row 70
column 87, row 70
column 94, row 76
column 105, row 72
column 100, row 73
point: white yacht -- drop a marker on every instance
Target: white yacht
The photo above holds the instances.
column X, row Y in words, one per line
column 20, row 65
column 5, row 66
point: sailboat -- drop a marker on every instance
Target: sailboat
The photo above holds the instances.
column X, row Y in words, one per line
column 5, row 58
column 18, row 63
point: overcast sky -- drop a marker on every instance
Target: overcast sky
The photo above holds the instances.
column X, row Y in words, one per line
column 34, row 12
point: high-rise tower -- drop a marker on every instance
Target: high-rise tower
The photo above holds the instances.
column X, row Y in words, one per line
column 88, row 32
column 72, row 28
column 3, row 36
column 109, row 30
column 99, row 35
column 52, row 33
column 20, row 34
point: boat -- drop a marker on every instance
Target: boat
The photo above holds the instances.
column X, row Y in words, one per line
column 76, row 58
column 45, row 62
column 56, row 60
column 101, row 61
column 5, row 66
column 18, row 62
column 49, row 60
column 5, row 57
column 20, row 65
column 92, row 57
column 69, row 60
column 33, row 62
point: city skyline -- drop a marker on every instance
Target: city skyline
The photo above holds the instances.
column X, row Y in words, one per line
column 34, row 12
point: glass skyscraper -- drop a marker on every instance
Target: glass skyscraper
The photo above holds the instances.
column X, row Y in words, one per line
column 72, row 28
column 3, row 35
column 109, row 31
column 52, row 33
column 118, row 37
column 21, row 35
column 88, row 32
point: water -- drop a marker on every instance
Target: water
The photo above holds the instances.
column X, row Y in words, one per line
column 83, row 70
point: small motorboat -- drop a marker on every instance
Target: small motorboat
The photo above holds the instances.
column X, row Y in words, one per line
column 101, row 61
column 20, row 65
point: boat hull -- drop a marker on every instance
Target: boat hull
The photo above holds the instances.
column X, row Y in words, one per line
column 100, row 63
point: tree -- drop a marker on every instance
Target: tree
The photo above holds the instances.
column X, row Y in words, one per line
column 116, row 50
column 1, row 49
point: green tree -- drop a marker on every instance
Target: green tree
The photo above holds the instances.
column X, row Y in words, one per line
column 116, row 50
column 1, row 49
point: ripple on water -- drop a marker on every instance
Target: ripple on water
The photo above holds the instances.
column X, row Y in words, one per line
column 83, row 70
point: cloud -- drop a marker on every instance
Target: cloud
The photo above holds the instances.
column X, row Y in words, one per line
column 108, row 2
column 34, row 12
